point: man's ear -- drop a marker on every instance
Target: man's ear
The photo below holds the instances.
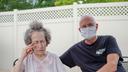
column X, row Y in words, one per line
column 79, row 29
column 96, row 26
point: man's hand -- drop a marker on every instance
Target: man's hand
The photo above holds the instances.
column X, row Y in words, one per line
column 111, row 65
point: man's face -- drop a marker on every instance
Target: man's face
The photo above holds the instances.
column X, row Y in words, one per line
column 88, row 28
column 38, row 39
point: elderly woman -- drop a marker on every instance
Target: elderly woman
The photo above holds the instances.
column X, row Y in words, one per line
column 34, row 57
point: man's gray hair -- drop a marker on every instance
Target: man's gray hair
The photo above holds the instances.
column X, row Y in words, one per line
column 33, row 27
column 88, row 16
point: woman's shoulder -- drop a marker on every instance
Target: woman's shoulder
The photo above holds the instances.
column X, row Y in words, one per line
column 52, row 55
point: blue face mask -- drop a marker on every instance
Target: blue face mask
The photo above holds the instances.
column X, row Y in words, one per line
column 88, row 32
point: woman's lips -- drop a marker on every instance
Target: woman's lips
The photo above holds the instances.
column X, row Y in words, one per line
column 40, row 50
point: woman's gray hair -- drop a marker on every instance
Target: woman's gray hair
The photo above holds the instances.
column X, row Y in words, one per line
column 36, row 26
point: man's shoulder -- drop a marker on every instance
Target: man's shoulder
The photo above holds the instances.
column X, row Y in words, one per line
column 77, row 44
column 105, row 36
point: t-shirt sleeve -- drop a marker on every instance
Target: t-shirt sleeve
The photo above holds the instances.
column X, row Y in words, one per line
column 67, row 59
column 112, row 47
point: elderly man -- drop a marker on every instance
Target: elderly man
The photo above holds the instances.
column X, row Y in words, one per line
column 94, row 53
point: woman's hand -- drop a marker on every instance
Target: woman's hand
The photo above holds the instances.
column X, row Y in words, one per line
column 19, row 64
column 27, row 50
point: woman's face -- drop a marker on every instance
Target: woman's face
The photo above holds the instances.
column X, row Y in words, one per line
column 39, row 41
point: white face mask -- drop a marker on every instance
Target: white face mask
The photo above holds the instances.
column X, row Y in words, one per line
column 88, row 32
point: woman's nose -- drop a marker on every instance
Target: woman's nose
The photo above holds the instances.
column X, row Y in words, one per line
column 40, row 45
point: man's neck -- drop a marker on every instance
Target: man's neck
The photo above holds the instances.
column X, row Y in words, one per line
column 91, row 41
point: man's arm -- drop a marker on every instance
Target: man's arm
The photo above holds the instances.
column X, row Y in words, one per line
column 67, row 59
column 111, row 65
